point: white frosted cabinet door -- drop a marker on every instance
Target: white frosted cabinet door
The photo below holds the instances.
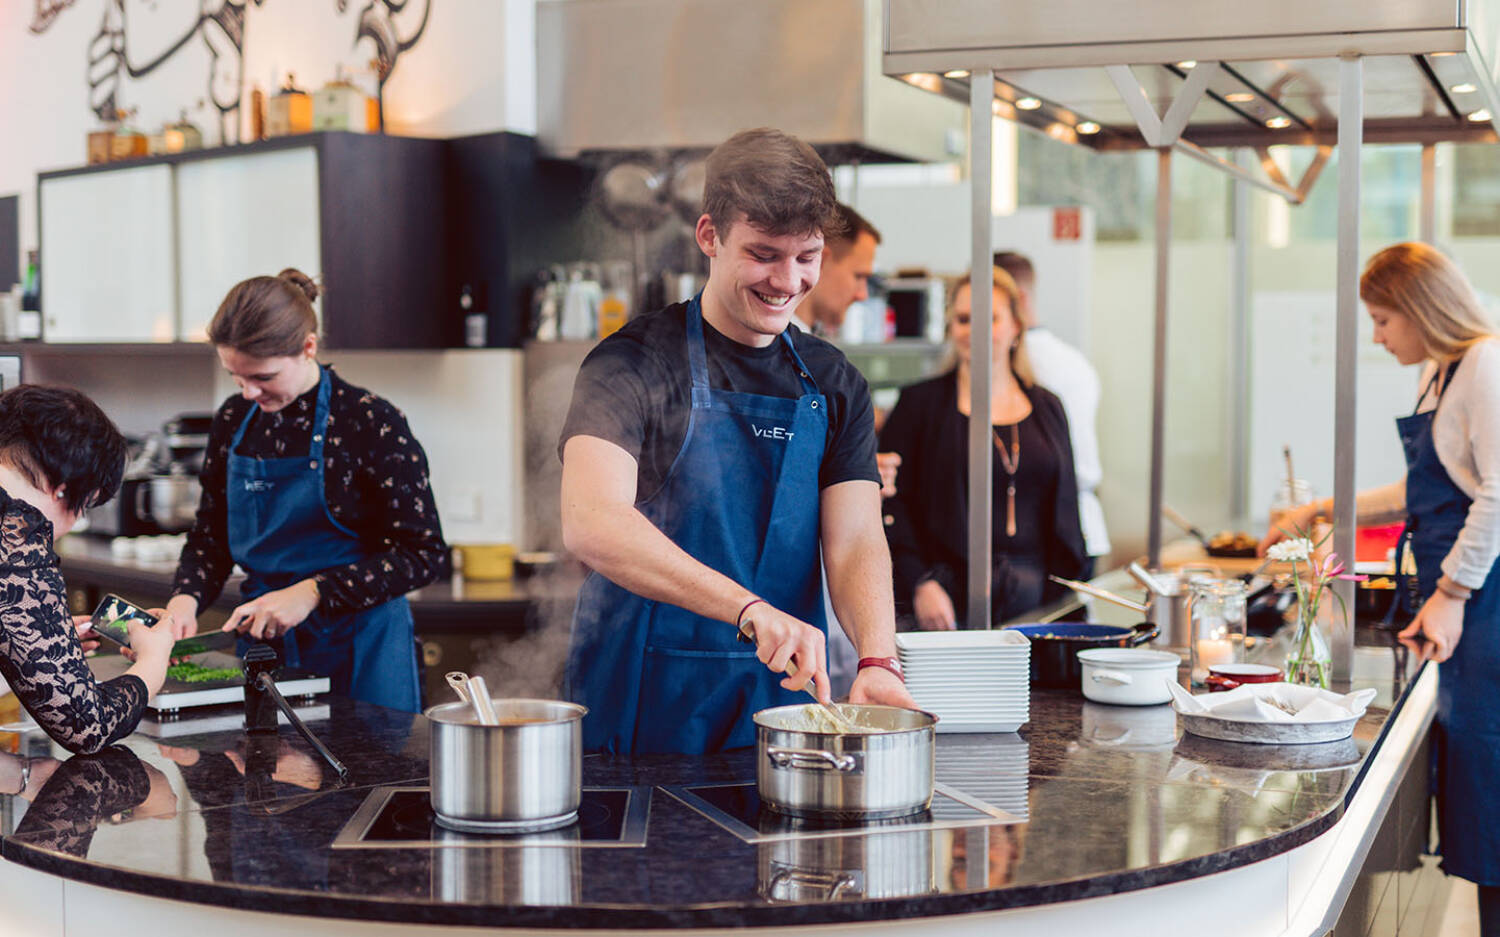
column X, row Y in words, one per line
column 107, row 271
column 240, row 217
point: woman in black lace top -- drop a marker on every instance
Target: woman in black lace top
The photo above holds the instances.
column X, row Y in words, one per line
column 319, row 490
column 60, row 455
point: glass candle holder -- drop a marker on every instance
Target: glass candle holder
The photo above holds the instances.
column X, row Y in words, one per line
column 1218, row 626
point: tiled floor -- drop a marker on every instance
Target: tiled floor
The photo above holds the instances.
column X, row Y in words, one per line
column 1462, row 916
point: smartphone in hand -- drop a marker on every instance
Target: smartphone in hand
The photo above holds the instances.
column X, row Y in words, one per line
column 111, row 620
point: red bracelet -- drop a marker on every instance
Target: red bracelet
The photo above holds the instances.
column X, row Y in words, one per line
column 892, row 664
column 738, row 619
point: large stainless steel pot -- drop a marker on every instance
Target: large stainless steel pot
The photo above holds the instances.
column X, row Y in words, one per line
column 174, row 501
column 883, row 864
column 524, row 774
column 886, row 772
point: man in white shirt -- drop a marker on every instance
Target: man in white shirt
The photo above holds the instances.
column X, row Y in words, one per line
column 844, row 279
column 1064, row 370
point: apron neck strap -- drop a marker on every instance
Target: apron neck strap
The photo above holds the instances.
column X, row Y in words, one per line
column 698, row 353
column 1447, row 375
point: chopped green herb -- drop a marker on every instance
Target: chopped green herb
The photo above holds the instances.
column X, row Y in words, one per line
column 197, row 673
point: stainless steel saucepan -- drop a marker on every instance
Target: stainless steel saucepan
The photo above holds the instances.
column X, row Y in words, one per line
column 523, row 773
column 883, row 770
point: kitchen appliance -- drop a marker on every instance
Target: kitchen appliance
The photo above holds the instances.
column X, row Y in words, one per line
column 829, row 775
column 172, row 501
column 1055, row 646
column 127, row 514
column 830, row 94
column 187, row 440
column 403, row 818
column 738, row 808
column 523, row 774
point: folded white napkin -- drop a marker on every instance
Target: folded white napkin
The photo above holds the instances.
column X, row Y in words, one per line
column 1264, row 702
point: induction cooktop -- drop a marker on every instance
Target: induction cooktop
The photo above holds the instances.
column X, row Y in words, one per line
column 402, row 818
column 738, row 809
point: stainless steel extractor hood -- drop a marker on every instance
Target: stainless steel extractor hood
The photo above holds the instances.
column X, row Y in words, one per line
column 686, row 74
column 1430, row 66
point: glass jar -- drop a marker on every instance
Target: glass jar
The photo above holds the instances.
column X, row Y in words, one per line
column 1218, row 625
column 1290, row 494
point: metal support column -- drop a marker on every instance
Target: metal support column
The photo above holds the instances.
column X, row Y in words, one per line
column 1427, row 218
column 982, row 330
column 1351, row 137
column 1159, row 353
column 1239, row 351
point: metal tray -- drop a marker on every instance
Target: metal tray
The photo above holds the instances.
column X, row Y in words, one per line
column 1267, row 733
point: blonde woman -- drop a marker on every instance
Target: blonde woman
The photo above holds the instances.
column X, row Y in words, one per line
column 1036, row 531
column 1426, row 313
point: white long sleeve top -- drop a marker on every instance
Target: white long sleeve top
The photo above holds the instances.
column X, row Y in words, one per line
column 1064, row 370
column 1466, row 434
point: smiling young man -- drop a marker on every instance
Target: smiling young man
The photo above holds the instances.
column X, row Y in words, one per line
column 710, row 457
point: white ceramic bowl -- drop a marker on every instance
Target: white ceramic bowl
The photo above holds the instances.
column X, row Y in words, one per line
column 1128, row 676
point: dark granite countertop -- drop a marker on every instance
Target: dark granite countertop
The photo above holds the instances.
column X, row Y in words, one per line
column 88, row 560
column 1112, row 798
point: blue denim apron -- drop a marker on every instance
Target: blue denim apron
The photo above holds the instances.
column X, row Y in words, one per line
column 281, row 532
column 741, row 497
column 1467, row 730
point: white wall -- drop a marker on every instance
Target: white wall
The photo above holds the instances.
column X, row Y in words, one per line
column 463, row 407
column 470, row 70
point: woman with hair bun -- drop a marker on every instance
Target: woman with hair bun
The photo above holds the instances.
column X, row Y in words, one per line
column 1426, row 313
column 319, row 491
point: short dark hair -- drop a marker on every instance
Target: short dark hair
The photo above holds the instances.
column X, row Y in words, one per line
column 267, row 317
column 1019, row 267
column 780, row 184
column 852, row 225
column 58, row 436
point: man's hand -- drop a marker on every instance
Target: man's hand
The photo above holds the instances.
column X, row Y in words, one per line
column 879, row 686
column 781, row 639
column 888, row 463
column 1434, row 633
column 934, row 607
column 275, row 613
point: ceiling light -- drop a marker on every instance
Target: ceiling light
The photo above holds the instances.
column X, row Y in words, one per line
column 957, row 73
column 1003, row 109
column 1464, row 88
column 1239, row 97
column 1185, row 65
column 1277, row 123
column 1028, row 104
column 1480, row 116
column 924, row 80
column 1087, row 128
column 1442, row 55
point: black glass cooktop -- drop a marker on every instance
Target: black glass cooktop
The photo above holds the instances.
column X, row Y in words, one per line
column 396, row 817
column 738, row 809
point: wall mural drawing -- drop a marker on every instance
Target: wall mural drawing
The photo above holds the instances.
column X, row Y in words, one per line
column 137, row 38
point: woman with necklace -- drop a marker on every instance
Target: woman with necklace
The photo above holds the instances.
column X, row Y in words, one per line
column 1035, row 529
column 318, row 489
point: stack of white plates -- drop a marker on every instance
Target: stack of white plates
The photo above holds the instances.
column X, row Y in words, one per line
column 973, row 681
column 994, row 770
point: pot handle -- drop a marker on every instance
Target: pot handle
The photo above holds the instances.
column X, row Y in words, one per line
column 1143, row 632
column 811, row 758
column 836, row 884
column 1114, row 677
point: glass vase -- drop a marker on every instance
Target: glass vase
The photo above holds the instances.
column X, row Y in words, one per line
column 1309, row 661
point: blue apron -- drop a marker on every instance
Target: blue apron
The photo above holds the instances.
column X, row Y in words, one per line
column 742, row 498
column 1467, row 730
column 281, row 532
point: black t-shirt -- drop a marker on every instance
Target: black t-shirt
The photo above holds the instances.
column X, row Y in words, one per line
column 635, row 390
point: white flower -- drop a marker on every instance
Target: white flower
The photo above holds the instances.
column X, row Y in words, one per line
column 1291, row 550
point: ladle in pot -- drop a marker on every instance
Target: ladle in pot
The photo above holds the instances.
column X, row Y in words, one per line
column 475, row 692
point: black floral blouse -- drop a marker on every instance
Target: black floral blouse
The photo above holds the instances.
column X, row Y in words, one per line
column 83, row 792
column 40, row 656
column 375, row 481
